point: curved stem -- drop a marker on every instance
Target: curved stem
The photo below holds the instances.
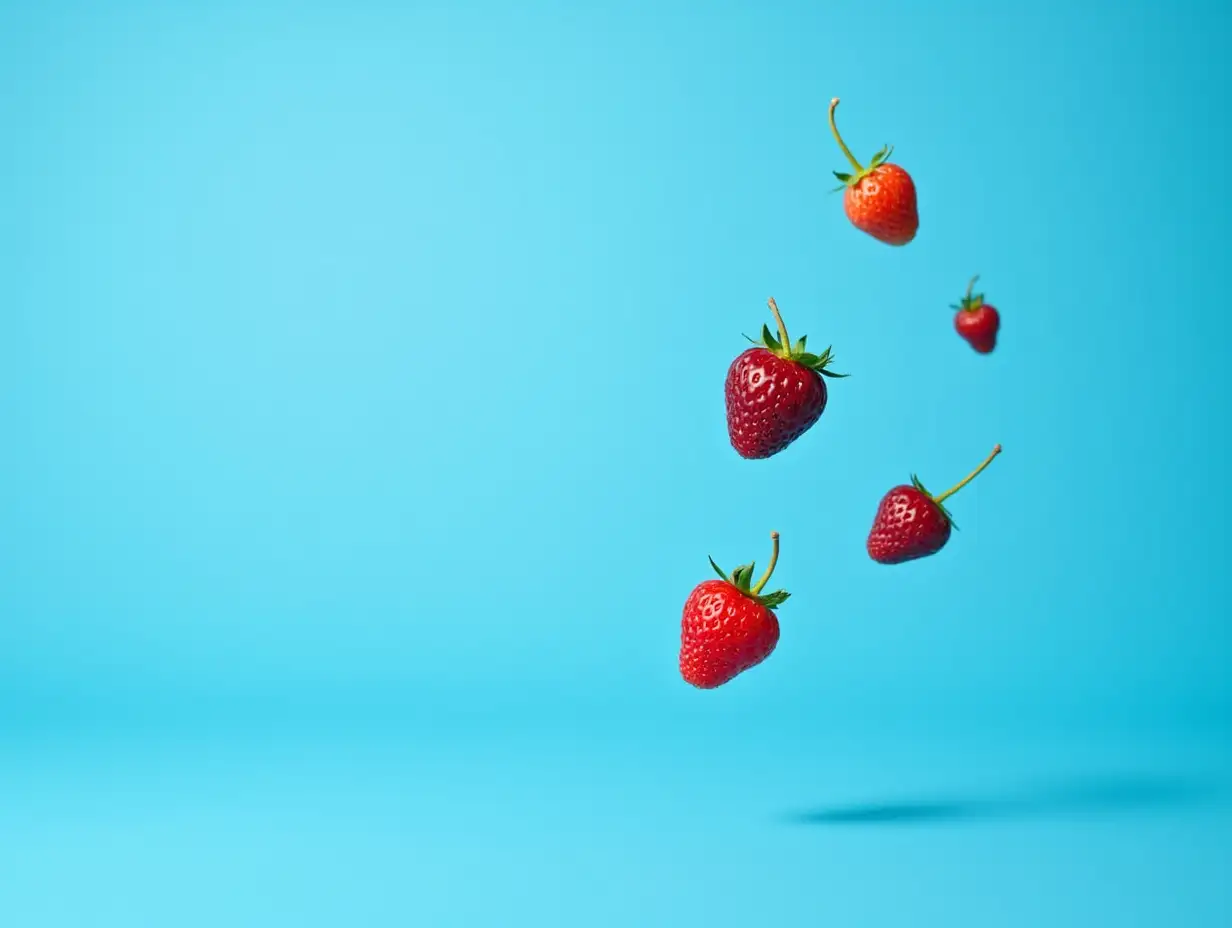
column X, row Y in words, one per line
column 774, row 559
column 971, row 286
column 859, row 168
column 774, row 308
column 966, row 480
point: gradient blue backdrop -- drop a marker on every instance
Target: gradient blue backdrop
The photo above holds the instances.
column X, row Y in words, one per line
column 362, row 436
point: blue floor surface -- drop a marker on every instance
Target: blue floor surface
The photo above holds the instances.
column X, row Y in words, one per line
column 603, row 828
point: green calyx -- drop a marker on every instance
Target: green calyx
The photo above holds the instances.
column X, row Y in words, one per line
column 858, row 171
column 851, row 179
column 742, row 578
column 782, row 346
column 972, row 301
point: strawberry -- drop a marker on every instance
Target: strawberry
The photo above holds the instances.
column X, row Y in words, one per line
column 977, row 321
column 912, row 524
column 880, row 199
column 774, row 393
column 728, row 627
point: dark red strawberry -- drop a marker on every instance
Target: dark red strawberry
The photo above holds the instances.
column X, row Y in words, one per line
column 774, row 393
column 912, row 524
column 976, row 321
column 728, row 627
column 879, row 199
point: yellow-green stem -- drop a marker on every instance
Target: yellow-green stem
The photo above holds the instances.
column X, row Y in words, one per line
column 774, row 559
column 778, row 319
column 966, row 480
column 859, row 168
column 971, row 286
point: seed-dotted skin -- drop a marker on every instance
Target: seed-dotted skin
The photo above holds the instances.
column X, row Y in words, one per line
column 770, row 402
column 883, row 204
column 723, row 633
column 908, row 525
column 979, row 327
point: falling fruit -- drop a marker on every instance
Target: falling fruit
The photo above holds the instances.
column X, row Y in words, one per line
column 774, row 392
column 911, row 524
column 729, row 626
column 879, row 199
column 976, row 321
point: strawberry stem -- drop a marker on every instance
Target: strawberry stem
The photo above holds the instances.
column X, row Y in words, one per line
column 859, row 168
column 966, row 480
column 778, row 319
column 971, row 287
column 774, row 559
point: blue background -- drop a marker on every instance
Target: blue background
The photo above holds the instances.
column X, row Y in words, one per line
column 362, row 436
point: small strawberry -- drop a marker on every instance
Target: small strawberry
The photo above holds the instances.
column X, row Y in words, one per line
column 880, row 199
column 911, row 524
column 774, row 393
column 728, row 628
column 977, row 321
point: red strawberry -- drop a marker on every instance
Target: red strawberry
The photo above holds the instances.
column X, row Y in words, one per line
column 911, row 524
column 727, row 628
column 774, row 393
column 977, row 321
column 880, row 199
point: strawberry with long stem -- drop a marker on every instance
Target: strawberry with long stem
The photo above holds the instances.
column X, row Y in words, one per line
column 728, row 625
column 880, row 199
column 910, row 523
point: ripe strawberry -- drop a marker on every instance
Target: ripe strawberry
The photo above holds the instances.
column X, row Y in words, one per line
column 880, row 199
column 977, row 321
column 728, row 628
column 912, row 524
column 774, row 393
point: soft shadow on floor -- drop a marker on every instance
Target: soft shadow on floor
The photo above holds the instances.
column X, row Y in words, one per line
column 1073, row 798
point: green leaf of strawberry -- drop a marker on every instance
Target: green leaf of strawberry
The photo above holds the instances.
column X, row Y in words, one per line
column 742, row 578
column 783, row 348
column 972, row 301
column 775, row 599
column 882, row 156
column 768, row 339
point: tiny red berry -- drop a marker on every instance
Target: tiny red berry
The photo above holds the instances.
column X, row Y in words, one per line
column 728, row 626
column 976, row 321
column 879, row 199
column 774, row 393
column 912, row 524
